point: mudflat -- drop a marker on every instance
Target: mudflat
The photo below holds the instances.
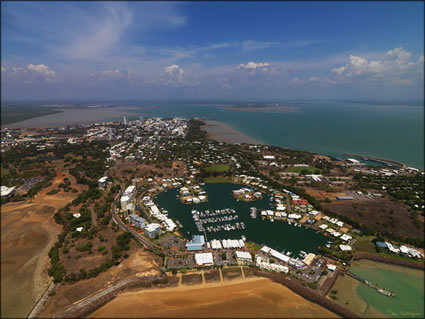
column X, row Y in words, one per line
column 28, row 230
column 222, row 132
column 252, row 297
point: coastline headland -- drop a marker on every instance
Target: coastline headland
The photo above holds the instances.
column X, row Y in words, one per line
column 377, row 159
column 222, row 132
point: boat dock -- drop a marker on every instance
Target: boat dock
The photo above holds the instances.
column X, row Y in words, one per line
column 368, row 283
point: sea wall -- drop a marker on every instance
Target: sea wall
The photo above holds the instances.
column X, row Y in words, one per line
column 388, row 260
column 90, row 304
column 308, row 294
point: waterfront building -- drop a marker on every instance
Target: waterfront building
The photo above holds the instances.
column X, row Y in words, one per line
column 309, row 258
column 345, row 247
column 169, row 224
column 331, row 267
column 124, row 202
column 346, row 237
column 196, row 243
column 204, row 259
column 124, row 120
column 153, row 230
column 130, row 191
column 137, row 221
column 243, row 257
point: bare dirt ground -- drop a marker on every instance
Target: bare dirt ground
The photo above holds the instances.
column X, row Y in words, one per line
column 322, row 195
column 378, row 213
column 28, row 231
column 127, row 169
column 140, row 262
column 251, row 297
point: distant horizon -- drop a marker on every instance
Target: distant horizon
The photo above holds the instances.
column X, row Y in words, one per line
column 206, row 100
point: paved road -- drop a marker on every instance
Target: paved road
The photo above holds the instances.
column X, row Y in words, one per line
column 141, row 239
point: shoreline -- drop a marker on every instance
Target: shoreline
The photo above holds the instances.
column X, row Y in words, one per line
column 222, row 132
column 224, row 298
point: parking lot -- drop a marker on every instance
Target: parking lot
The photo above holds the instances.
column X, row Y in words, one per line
column 310, row 274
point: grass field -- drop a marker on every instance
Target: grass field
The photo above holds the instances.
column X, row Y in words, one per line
column 219, row 179
column 219, row 168
column 310, row 169
column 365, row 245
column 254, row 246
column 4, row 171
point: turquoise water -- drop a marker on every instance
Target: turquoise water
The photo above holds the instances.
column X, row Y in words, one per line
column 409, row 292
column 393, row 132
column 278, row 235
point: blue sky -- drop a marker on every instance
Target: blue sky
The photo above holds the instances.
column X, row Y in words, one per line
column 220, row 50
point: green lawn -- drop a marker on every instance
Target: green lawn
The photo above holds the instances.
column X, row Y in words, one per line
column 4, row 171
column 219, row 179
column 220, row 168
column 365, row 245
column 299, row 169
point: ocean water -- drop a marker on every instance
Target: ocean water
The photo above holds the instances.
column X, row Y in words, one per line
column 389, row 131
column 408, row 288
column 278, row 235
column 394, row 132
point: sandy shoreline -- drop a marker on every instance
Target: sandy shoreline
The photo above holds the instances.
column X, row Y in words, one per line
column 250, row 297
column 222, row 132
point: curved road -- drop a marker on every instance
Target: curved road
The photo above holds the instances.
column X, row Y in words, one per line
column 145, row 242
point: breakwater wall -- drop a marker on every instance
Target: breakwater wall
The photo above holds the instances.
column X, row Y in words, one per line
column 309, row 294
column 377, row 159
column 388, row 260
column 91, row 303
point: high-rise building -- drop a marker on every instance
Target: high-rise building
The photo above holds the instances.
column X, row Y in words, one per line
column 125, row 120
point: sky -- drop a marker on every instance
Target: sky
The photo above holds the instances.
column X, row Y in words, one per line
column 212, row 50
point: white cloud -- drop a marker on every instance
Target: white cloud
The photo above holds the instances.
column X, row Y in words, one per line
column 32, row 73
column 102, row 34
column 113, row 73
column 295, row 81
column 174, row 71
column 41, row 69
column 394, row 66
column 253, row 65
column 3, row 69
column 339, row 70
column 173, row 75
